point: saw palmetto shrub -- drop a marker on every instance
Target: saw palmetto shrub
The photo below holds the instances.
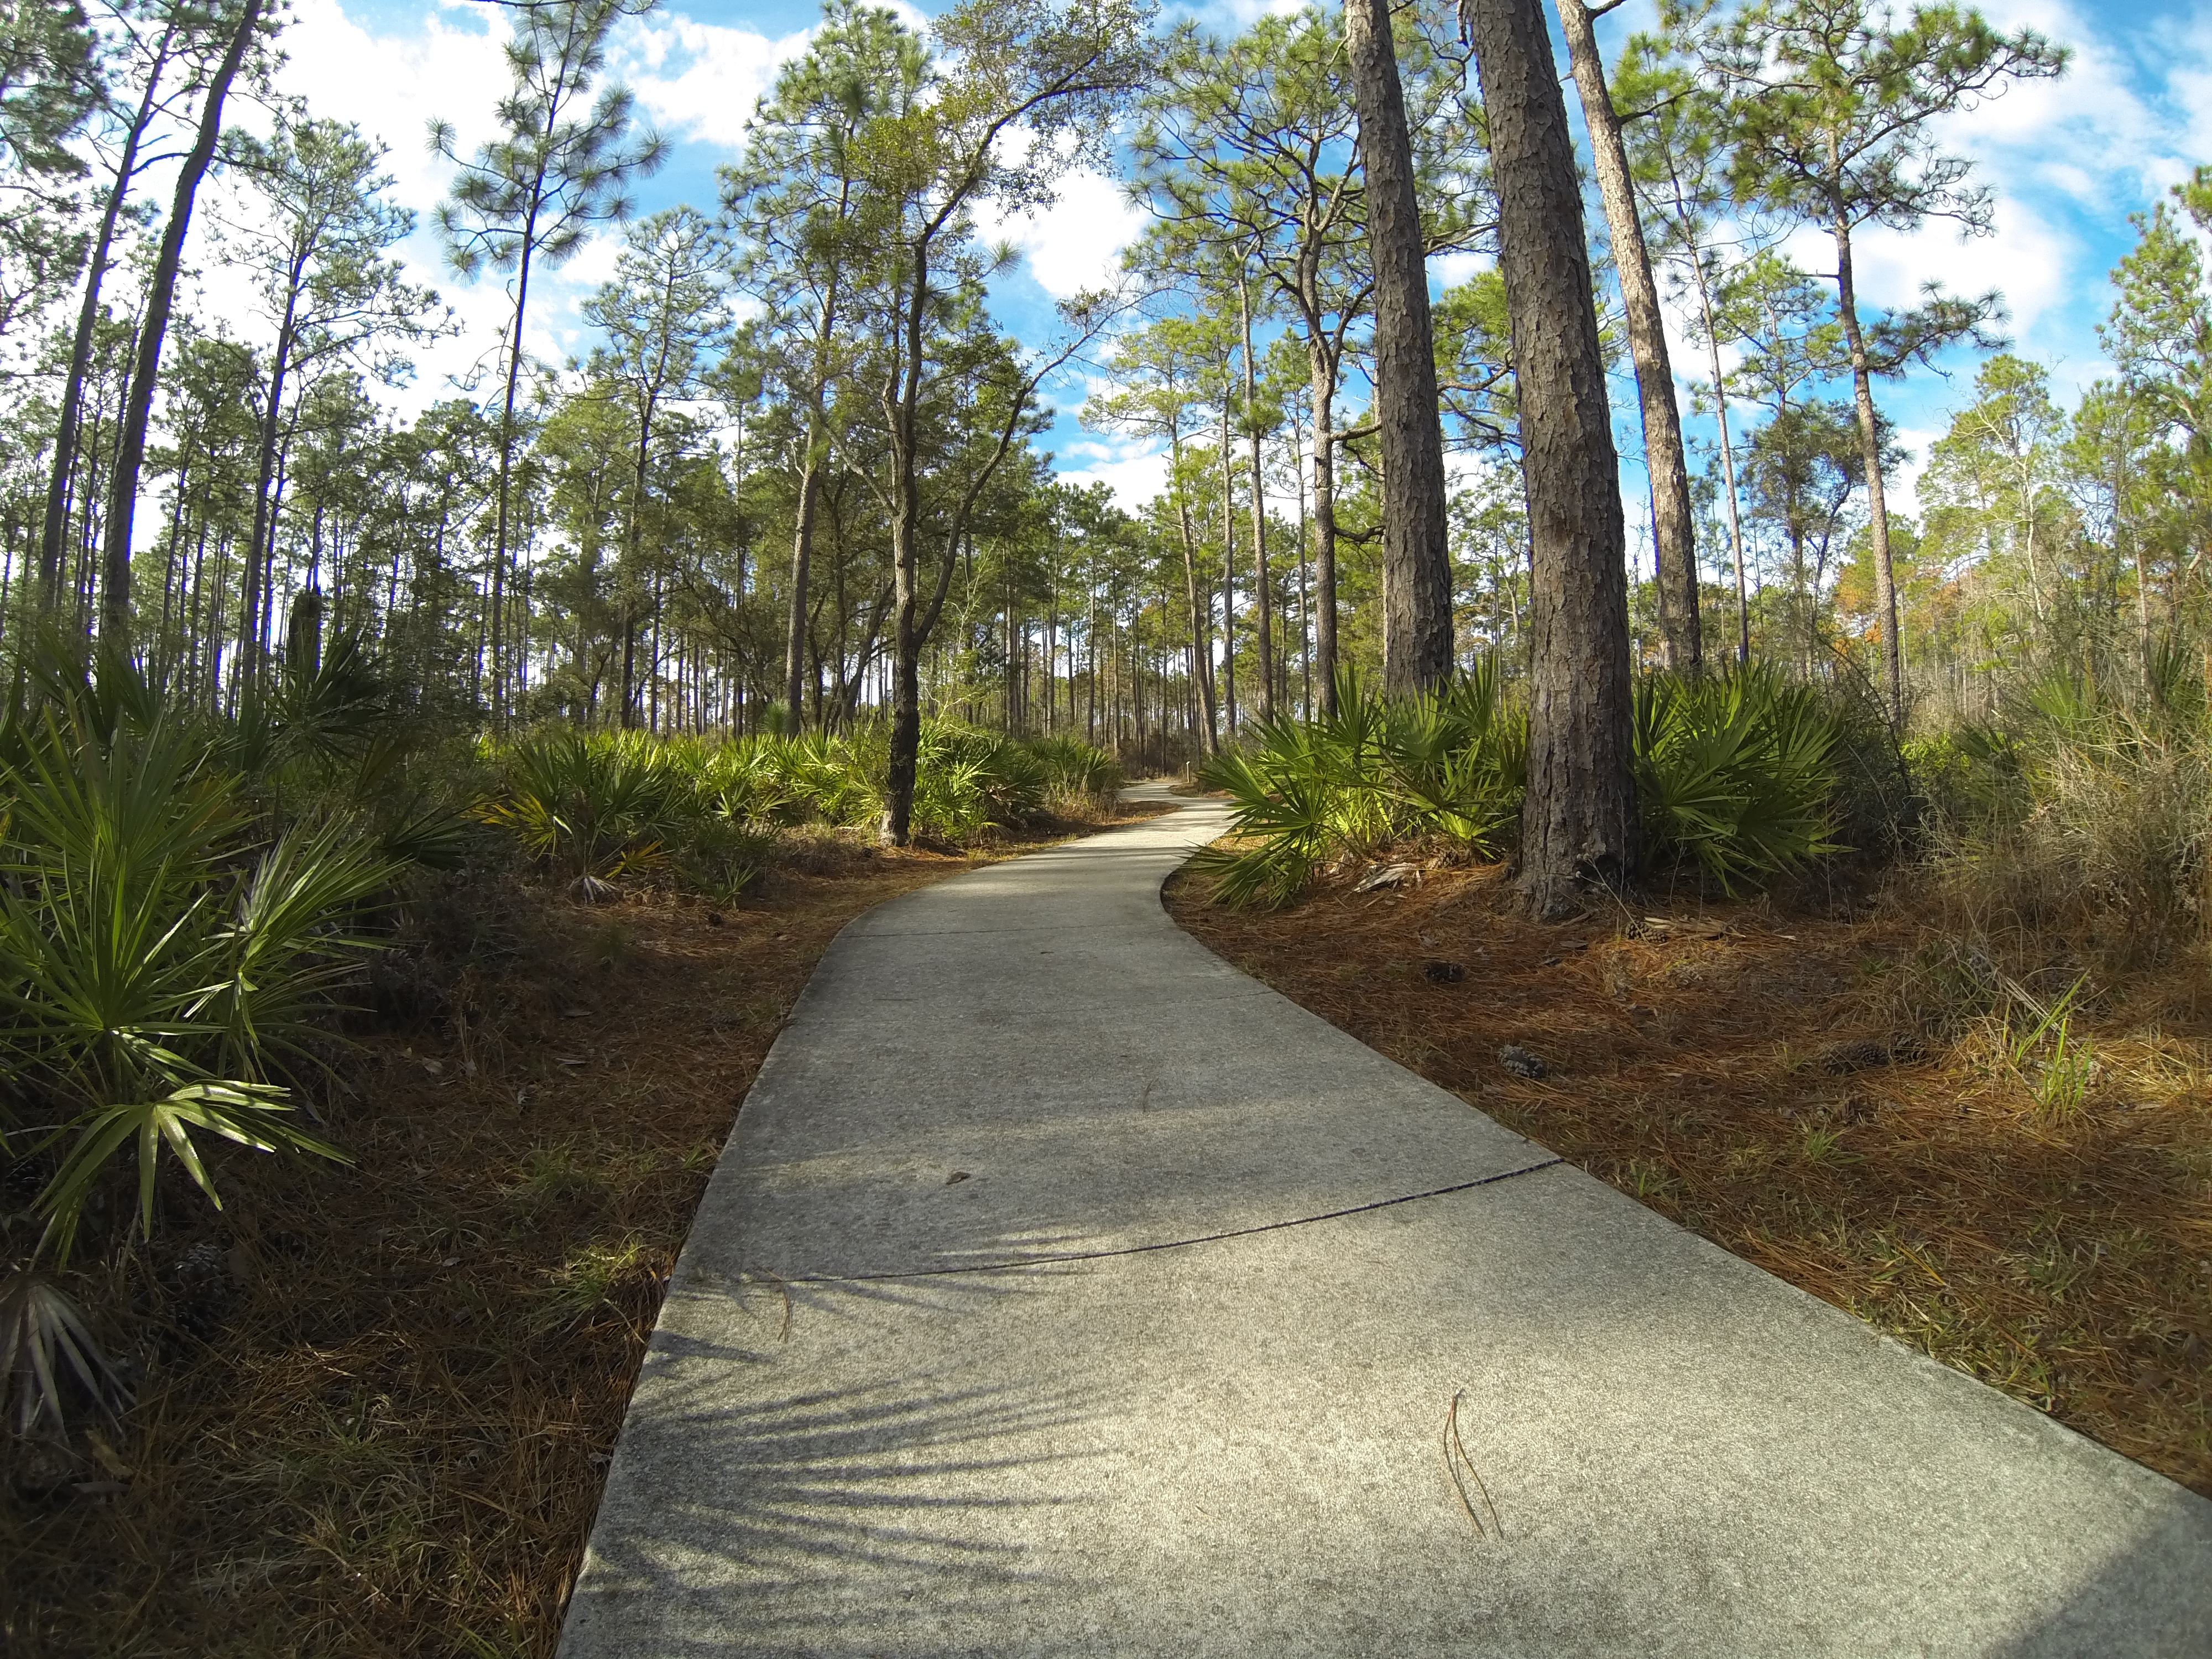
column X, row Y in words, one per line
column 1451, row 767
column 1080, row 778
column 1735, row 774
column 1736, row 777
column 593, row 807
column 169, row 951
column 590, row 806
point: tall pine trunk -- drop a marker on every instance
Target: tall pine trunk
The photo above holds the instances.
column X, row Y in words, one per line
column 1265, row 637
column 904, row 411
column 1417, row 619
column 1728, row 471
column 1710, row 323
column 802, row 556
column 632, row 543
column 263, row 532
column 506, row 451
column 1324, row 524
column 1228, row 571
column 1674, row 538
column 1202, row 635
column 53, row 527
column 1885, row 571
column 160, row 293
column 1577, row 821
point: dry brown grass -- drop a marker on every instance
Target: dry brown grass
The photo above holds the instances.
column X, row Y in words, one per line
column 2060, row 1249
column 380, row 1400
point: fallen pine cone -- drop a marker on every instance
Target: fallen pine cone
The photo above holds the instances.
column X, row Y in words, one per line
column 1387, row 875
column 1519, row 1061
column 1858, row 1053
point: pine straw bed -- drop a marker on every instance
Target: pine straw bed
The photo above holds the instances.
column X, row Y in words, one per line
column 379, row 1400
column 1717, row 1069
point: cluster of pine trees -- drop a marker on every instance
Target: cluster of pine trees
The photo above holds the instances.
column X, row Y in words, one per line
column 796, row 477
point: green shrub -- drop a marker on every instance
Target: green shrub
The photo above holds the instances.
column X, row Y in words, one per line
column 1078, row 776
column 1451, row 766
column 1734, row 774
column 1970, row 777
column 968, row 780
column 591, row 805
column 1879, row 808
column 159, row 955
column 1459, row 760
column 776, row 782
column 2080, row 811
column 181, row 899
column 597, row 806
column 841, row 779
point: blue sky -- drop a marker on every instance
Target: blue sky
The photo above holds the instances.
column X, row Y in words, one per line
column 2068, row 162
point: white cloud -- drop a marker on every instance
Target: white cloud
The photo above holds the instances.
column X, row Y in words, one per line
column 1902, row 487
column 1077, row 242
column 718, row 75
column 1134, row 469
column 392, row 86
column 594, row 261
column 2027, row 259
column 2066, row 159
column 1451, row 270
column 2188, row 48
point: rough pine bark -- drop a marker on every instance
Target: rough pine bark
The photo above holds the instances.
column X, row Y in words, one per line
column 1673, row 535
column 802, row 558
column 262, row 539
column 154, row 326
column 1578, row 822
column 1228, row 573
column 53, row 527
column 1324, row 530
column 1885, row 570
column 1416, row 616
column 1202, row 635
column 1265, row 634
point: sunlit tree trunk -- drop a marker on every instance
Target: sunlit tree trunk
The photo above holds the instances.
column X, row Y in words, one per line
column 1416, row 621
column 1324, row 525
column 1673, row 535
column 1228, row 571
column 1578, row 822
column 1885, row 573
column 1201, row 607
column 1263, row 637
column 160, row 293
column 802, row 552
column 54, row 528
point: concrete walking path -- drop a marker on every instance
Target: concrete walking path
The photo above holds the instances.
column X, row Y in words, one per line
column 1063, row 1290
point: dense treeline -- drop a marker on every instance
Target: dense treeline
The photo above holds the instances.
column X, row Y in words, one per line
column 708, row 524
column 776, row 562
column 794, row 484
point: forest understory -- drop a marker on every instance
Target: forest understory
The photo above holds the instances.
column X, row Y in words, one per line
column 376, row 1402
column 361, row 648
column 1791, row 1078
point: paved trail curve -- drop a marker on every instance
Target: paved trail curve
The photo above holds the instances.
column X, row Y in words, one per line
column 1064, row 1291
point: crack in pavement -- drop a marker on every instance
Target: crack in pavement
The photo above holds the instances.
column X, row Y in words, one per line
column 1172, row 1243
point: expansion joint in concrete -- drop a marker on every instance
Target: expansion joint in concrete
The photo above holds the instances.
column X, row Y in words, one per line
column 1055, row 1260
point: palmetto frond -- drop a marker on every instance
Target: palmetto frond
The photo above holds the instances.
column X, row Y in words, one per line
column 152, row 958
column 1734, row 774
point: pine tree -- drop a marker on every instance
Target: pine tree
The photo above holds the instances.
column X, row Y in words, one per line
column 562, row 163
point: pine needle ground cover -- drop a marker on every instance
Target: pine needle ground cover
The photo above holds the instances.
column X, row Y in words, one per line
column 377, row 1401
column 2025, row 1194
